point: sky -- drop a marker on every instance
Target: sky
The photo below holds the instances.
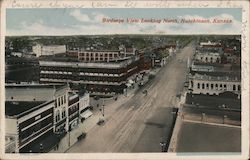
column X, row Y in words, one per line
column 88, row 21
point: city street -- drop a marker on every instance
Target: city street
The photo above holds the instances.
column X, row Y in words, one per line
column 126, row 121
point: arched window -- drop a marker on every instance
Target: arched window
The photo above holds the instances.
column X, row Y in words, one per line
column 198, row 85
column 57, row 116
column 203, row 86
column 63, row 112
column 212, row 86
column 207, row 86
column 225, row 86
column 211, row 59
column 216, row 86
column 234, row 87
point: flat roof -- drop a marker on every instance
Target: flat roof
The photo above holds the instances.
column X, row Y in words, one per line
column 16, row 108
column 214, row 101
column 198, row 137
column 22, row 108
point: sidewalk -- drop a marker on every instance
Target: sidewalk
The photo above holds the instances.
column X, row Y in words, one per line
column 71, row 137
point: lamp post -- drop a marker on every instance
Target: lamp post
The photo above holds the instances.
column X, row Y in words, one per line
column 69, row 135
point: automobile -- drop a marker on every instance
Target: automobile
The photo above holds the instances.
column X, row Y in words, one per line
column 100, row 122
column 82, row 136
column 91, row 108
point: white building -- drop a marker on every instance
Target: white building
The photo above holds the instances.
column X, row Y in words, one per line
column 214, row 85
column 208, row 57
column 35, row 110
column 42, row 50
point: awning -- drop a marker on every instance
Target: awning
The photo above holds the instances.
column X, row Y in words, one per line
column 86, row 114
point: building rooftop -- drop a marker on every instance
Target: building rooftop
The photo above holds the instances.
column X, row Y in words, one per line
column 227, row 100
column 218, row 67
column 16, row 108
column 199, row 137
column 216, row 76
column 112, row 64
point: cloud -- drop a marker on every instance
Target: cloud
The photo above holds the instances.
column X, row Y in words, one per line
column 79, row 16
column 96, row 27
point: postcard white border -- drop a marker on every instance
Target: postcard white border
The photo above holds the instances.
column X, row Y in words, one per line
column 136, row 4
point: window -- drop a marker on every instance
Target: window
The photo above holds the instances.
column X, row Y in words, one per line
column 203, row 86
column 198, row 85
column 207, row 85
column 234, row 87
column 64, row 98
column 61, row 100
column 63, row 113
column 238, row 87
column 57, row 116
column 216, row 86
column 212, row 86
column 58, row 100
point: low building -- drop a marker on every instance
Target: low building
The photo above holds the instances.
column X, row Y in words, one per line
column 96, row 77
column 208, row 57
column 215, row 84
column 36, row 111
column 46, row 50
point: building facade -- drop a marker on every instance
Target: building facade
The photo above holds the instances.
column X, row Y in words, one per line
column 42, row 50
column 214, row 85
column 97, row 77
column 208, row 57
column 29, row 117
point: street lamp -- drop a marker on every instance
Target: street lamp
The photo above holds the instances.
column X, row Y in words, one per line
column 163, row 145
column 69, row 135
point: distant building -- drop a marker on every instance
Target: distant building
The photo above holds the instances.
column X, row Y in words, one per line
column 215, row 84
column 207, row 57
column 101, row 55
column 210, row 47
column 201, row 68
column 36, row 111
column 17, row 54
column 97, row 77
column 42, row 50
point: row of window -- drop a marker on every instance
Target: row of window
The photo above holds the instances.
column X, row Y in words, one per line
column 94, row 59
column 211, row 59
column 60, row 100
column 216, row 86
column 84, row 70
column 58, row 114
column 99, row 54
column 84, row 78
column 35, row 128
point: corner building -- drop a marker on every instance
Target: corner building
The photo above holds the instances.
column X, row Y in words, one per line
column 106, row 77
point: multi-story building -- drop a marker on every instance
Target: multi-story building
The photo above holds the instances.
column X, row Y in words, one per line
column 207, row 57
column 99, row 77
column 36, row 111
column 27, row 121
column 215, row 84
column 46, row 50
column 101, row 55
